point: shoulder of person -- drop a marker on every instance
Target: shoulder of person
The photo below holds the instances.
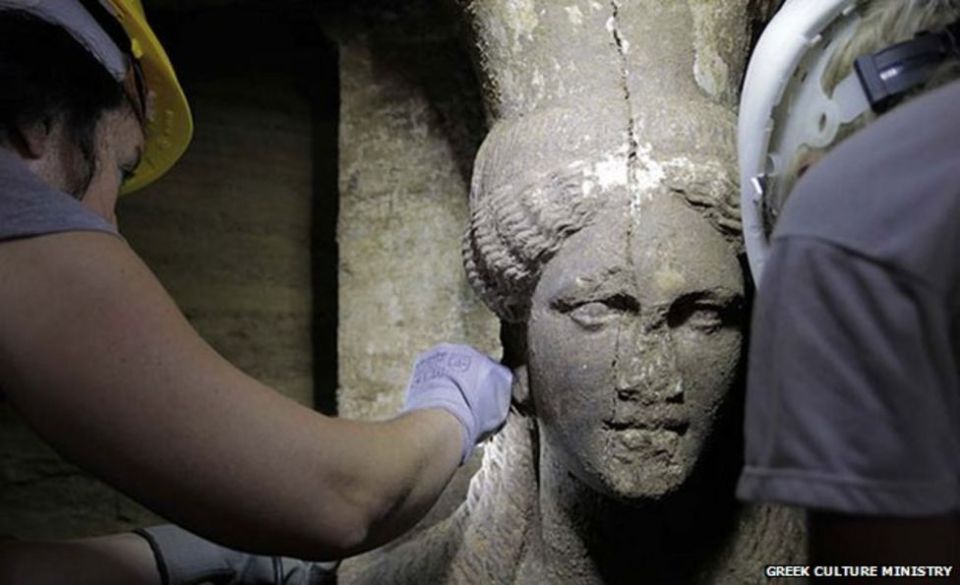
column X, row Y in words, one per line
column 891, row 192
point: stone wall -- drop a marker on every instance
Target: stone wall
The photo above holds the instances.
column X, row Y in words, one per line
column 410, row 124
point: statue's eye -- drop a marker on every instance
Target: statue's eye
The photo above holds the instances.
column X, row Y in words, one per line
column 594, row 315
column 705, row 317
column 702, row 314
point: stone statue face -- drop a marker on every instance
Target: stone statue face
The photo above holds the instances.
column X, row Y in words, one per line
column 634, row 340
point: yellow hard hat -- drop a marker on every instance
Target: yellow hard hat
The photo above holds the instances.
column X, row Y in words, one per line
column 169, row 124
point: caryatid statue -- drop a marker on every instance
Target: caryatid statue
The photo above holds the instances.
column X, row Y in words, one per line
column 605, row 235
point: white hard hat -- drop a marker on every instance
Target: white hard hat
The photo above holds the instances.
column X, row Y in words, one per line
column 783, row 105
column 784, row 108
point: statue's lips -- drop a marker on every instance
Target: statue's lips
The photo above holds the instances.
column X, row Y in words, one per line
column 658, row 417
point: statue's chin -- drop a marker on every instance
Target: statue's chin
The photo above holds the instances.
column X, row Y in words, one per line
column 639, row 465
column 638, row 487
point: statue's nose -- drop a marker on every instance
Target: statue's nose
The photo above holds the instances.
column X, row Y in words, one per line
column 646, row 364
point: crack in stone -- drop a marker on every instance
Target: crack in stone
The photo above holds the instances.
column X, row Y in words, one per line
column 633, row 148
column 622, row 48
column 633, row 162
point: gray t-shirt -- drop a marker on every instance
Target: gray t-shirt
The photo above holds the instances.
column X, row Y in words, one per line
column 853, row 400
column 29, row 207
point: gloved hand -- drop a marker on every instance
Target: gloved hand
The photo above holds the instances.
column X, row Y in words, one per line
column 465, row 383
column 186, row 559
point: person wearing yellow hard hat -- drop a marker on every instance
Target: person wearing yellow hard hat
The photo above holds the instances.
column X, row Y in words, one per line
column 100, row 362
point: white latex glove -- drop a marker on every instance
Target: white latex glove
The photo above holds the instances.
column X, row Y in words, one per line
column 184, row 558
column 467, row 384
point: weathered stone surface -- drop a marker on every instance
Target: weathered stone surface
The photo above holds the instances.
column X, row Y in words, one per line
column 410, row 124
column 604, row 231
column 411, row 121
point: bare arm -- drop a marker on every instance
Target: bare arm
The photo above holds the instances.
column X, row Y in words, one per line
column 100, row 361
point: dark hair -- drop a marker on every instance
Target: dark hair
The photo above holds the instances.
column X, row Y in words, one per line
column 46, row 75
